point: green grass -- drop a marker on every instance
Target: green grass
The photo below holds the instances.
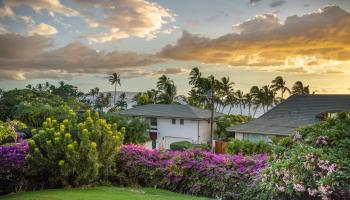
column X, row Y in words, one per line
column 100, row 193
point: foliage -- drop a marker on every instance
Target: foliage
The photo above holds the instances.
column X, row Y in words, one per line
column 228, row 121
column 73, row 152
column 194, row 171
column 101, row 193
column 247, row 147
column 315, row 164
column 32, row 107
column 12, row 161
column 8, row 131
column 183, row 145
column 135, row 128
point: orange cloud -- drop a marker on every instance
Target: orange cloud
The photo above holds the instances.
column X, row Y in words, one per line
column 264, row 41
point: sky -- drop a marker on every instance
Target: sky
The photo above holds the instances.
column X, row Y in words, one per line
column 251, row 41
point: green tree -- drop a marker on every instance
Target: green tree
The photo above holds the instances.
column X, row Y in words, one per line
column 299, row 89
column 121, row 104
column 279, row 84
column 114, row 79
column 168, row 89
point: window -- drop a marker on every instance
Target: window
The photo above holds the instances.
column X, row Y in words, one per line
column 153, row 121
column 182, row 121
column 173, row 121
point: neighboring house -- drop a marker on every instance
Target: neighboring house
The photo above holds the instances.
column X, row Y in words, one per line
column 294, row 112
column 174, row 122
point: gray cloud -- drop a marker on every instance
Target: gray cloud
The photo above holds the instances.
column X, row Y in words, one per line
column 277, row 3
column 22, row 57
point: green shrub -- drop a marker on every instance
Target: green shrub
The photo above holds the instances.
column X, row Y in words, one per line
column 135, row 128
column 73, row 152
column 313, row 163
column 183, row 145
column 228, row 121
column 247, row 147
column 8, row 131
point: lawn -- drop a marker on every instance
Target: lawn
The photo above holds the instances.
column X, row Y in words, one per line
column 100, row 193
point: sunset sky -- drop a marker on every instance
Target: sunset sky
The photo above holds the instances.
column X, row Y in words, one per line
column 251, row 41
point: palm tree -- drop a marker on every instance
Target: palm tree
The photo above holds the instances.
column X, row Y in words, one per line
column 248, row 100
column 299, row 89
column 168, row 88
column 255, row 93
column 29, row 86
column 279, row 84
column 195, row 75
column 114, row 79
column 94, row 92
column 240, row 100
column 225, row 89
column 267, row 97
column 121, row 103
column 40, row 87
column 231, row 100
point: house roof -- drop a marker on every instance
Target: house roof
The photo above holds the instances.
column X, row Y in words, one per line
column 296, row 111
column 169, row 111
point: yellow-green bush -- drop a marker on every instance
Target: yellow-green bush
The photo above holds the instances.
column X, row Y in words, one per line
column 74, row 152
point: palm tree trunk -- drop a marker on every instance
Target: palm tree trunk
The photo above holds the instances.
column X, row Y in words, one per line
column 229, row 111
column 240, row 108
column 115, row 93
column 256, row 108
column 249, row 109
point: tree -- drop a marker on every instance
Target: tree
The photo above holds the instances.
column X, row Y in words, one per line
column 94, row 92
column 224, row 90
column 121, row 104
column 102, row 101
column 168, row 89
column 248, row 100
column 279, row 84
column 114, row 79
column 299, row 89
column 256, row 101
column 267, row 97
column 240, row 100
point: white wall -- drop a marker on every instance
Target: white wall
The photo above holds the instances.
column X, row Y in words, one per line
column 192, row 130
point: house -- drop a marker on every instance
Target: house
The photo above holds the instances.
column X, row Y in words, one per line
column 174, row 122
column 294, row 112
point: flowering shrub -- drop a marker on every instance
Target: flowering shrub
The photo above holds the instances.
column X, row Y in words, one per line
column 73, row 153
column 193, row 171
column 12, row 161
column 8, row 130
column 315, row 166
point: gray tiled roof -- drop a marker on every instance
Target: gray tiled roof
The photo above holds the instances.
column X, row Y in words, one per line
column 296, row 111
column 169, row 111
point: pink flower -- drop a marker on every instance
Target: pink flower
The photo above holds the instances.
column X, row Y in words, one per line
column 280, row 188
column 312, row 192
column 299, row 187
column 325, row 189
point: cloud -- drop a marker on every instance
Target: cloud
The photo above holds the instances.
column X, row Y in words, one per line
column 38, row 6
column 43, row 29
column 3, row 30
column 6, row 11
column 172, row 71
column 277, row 3
column 254, row 1
column 264, row 41
column 126, row 18
column 26, row 57
column 27, row 19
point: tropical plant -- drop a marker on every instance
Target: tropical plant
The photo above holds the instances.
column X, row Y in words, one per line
column 312, row 164
column 121, row 104
column 135, row 128
column 8, row 130
column 114, row 79
column 228, row 121
column 247, row 147
column 73, row 152
column 193, row 171
column 168, row 89
column 102, row 101
column 12, row 163
column 279, row 84
column 299, row 89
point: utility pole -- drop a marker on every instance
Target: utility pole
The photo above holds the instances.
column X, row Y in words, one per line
column 212, row 113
